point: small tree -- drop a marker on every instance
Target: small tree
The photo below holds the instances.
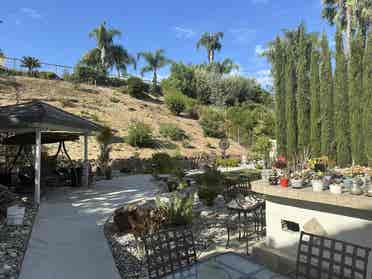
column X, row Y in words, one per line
column 367, row 88
column 31, row 63
column 104, row 140
column 262, row 146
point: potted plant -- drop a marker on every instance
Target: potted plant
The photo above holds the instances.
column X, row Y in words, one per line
column 335, row 188
column 297, row 180
column 317, row 182
column 284, row 180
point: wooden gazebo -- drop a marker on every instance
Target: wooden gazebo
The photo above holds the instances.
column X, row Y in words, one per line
column 40, row 123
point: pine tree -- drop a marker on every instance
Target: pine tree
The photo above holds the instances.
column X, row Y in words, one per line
column 355, row 97
column 367, row 92
column 279, row 85
column 315, row 104
column 342, row 135
column 326, row 97
column 291, row 114
column 303, row 94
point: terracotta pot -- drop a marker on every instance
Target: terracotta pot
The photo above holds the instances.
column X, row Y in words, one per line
column 284, row 182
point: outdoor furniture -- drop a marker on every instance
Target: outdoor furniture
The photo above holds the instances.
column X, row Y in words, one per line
column 322, row 257
column 233, row 191
column 224, row 266
column 246, row 216
column 168, row 251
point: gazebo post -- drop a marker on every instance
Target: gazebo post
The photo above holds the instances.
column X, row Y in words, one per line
column 86, row 162
column 37, row 165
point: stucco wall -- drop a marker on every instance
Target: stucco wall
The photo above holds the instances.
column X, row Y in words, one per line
column 338, row 226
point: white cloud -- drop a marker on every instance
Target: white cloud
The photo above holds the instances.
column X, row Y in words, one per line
column 259, row 50
column 243, row 35
column 184, row 33
column 264, row 78
column 32, row 13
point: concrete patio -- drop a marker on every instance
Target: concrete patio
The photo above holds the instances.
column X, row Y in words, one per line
column 67, row 240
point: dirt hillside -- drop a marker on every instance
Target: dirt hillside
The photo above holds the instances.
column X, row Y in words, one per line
column 110, row 107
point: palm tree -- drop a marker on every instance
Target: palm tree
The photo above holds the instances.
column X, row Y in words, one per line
column 154, row 61
column 104, row 38
column 31, row 63
column 120, row 59
column 211, row 42
column 348, row 14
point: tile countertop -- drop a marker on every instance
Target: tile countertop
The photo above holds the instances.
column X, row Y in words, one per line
column 307, row 194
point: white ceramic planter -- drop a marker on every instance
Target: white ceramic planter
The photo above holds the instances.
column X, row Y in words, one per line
column 335, row 189
column 296, row 183
column 317, row 185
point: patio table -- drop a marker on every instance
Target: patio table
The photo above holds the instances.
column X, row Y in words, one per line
column 226, row 266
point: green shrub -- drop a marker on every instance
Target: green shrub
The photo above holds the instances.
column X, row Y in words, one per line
column 192, row 108
column 208, row 195
column 212, row 123
column 171, row 130
column 178, row 211
column 162, row 163
column 48, row 75
column 89, row 74
column 228, row 162
column 211, row 184
column 139, row 134
column 176, row 102
column 136, row 87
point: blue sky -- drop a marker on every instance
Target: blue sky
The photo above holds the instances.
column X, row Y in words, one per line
column 57, row 31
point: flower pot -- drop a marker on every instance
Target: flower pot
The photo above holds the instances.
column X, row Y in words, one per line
column 335, row 189
column 317, row 185
column 284, row 182
column 297, row 183
column 356, row 189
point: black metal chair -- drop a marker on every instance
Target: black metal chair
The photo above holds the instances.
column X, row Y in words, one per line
column 321, row 257
column 233, row 191
column 168, row 251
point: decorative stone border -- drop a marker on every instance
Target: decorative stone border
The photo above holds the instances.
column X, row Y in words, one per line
column 13, row 243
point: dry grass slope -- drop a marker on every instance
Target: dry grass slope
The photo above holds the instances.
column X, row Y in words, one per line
column 105, row 105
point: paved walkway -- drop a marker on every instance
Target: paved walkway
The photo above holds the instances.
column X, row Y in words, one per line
column 67, row 240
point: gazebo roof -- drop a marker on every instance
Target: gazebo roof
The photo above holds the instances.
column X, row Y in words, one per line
column 27, row 117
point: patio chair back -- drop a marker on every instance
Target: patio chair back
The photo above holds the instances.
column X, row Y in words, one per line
column 322, row 257
column 232, row 191
column 168, row 251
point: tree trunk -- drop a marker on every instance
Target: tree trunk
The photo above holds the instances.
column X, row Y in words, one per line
column 118, row 71
column 103, row 57
column 211, row 56
column 155, row 79
column 348, row 29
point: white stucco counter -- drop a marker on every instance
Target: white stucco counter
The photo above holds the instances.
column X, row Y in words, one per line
column 288, row 211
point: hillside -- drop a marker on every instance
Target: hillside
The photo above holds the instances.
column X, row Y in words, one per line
column 105, row 105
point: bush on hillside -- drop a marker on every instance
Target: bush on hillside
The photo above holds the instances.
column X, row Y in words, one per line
column 212, row 123
column 172, row 131
column 136, row 87
column 139, row 134
column 88, row 74
column 227, row 162
column 176, row 102
column 192, row 108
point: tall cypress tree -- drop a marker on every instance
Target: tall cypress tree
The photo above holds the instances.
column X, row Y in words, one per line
column 355, row 97
column 367, row 91
column 315, row 104
column 342, row 134
column 303, row 94
column 279, row 86
column 326, row 97
column 291, row 113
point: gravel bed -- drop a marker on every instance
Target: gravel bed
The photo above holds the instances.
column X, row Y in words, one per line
column 13, row 243
column 209, row 230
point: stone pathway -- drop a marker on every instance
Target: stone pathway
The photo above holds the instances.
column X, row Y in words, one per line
column 67, row 240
